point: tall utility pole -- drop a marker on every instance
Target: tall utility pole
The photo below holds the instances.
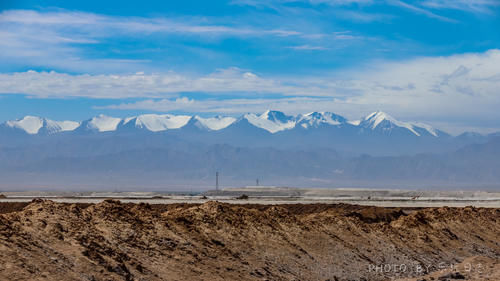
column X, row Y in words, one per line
column 217, row 181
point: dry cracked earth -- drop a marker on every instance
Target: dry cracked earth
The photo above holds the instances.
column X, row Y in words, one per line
column 43, row 240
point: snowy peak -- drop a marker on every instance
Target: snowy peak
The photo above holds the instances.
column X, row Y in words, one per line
column 276, row 116
column 376, row 118
column 382, row 121
column 354, row 122
column 29, row 124
column 52, row 127
column 316, row 119
column 271, row 121
column 33, row 125
column 213, row 123
column 103, row 123
column 157, row 123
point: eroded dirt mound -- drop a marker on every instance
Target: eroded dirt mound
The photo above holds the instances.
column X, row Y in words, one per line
column 214, row 241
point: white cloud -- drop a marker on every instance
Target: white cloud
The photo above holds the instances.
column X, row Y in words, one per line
column 308, row 48
column 421, row 11
column 475, row 6
column 362, row 17
column 271, row 3
column 346, row 35
column 232, row 80
column 341, row 2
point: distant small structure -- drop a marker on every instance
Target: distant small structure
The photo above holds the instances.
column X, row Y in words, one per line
column 257, row 182
column 260, row 186
column 242, row 197
column 217, row 181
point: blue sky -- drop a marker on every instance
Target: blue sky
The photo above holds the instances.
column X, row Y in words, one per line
column 434, row 61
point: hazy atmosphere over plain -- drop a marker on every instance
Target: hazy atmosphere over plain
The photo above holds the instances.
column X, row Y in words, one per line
column 433, row 61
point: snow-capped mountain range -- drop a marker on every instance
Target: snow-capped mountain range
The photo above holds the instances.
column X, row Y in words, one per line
column 376, row 134
column 270, row 121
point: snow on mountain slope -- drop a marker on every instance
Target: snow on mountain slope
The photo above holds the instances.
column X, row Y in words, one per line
column 103, row 123
column 214, row 123
column 53, row 127
column 386, row 122
column 427, row 127
column 315, row 119
column 29, row 124
column 157, row 123
column 276, row 116
column 272, row 121
column 377, row 118
column 33, row 125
